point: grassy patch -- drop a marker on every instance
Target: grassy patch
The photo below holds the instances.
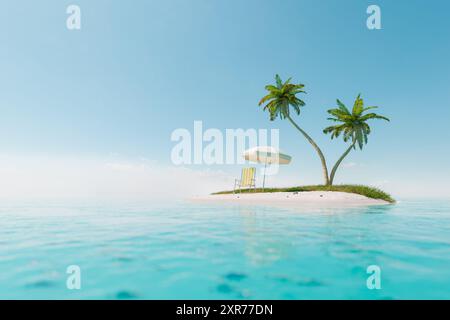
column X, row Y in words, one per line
column 369, row 192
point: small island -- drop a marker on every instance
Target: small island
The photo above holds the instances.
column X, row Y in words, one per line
column 324, row 196
column 281, row 101
column 352, row 124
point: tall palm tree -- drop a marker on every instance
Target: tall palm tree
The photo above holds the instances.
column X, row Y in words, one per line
column 278, row 101
column 352, row 125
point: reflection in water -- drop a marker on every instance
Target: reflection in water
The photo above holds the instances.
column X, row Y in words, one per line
column 357, row 238
column 262, row 245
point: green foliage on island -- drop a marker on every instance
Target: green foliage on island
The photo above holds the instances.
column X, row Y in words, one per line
column 370, row 192
column 281, row 101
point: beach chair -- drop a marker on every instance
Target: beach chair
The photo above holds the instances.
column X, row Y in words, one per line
column 247, row 180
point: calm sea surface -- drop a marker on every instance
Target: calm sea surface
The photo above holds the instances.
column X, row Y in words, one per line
column 192, row 251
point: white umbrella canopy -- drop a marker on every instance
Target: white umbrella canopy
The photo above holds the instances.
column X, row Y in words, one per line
column 266, row 155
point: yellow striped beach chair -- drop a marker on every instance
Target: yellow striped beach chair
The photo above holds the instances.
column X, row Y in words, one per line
column 247, row 179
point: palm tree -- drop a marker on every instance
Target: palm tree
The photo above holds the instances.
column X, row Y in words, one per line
column 352, row 125
column 278, row 101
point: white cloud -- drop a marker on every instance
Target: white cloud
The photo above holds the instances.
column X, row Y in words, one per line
column 43, row 177
column 115, row 178
column 381, row 184
column 349, row 164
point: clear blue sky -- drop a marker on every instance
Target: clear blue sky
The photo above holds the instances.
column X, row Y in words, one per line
column 137, row 70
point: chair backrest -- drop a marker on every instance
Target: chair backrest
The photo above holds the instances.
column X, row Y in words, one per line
column 247, row 177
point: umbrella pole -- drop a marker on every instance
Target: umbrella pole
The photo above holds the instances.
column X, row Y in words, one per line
column 264, row 178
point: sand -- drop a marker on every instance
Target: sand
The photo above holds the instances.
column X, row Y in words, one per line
column 293, row 199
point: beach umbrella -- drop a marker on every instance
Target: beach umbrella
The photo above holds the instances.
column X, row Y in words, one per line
column 266, row 155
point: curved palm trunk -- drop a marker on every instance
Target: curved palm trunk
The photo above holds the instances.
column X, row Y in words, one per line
column 316, row 147
column 333, row 171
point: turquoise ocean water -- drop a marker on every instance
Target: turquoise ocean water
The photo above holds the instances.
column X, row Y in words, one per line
column 194, row 251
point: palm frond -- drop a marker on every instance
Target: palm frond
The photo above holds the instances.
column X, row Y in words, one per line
column 339, row 114
column 353, row 126
column 342, row 106
column 278, row 81
column 369, row 108
column 281, row 97
column 373, row 116
column 266, row 98
column 272, row 88
column 358, row 106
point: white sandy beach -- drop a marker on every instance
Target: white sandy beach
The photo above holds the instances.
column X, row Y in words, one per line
column 293, row 199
